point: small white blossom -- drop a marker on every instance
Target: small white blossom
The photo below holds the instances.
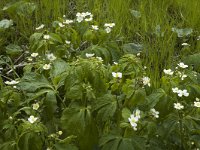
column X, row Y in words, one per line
column 183, row 93
column 46, row 37
column 61, row 25
column 68, row 21
column 36, row 106
column 40, row 27
column 13, row 82
column 88, row 55
column 110, row 25
column 67, row 42
column 145, row 67
column 115, row 63
column 48, row 148
column 138, row 54
column 95, row 27
column 60, row 132
column 146, row 81
column 134, row 118
column 99, row 58
column 197, row 104
column 89, row 19
column 117, row 74
column 34, row 55
column 178, row 106
column 30, row 59
column 168, row 71
column 175, row 90
column 154, row 113
column 108, row 29
column 182, row 65
column 197, row 99
column 185, row 44
column 51, row 57
column 133, row 121
column 47, row 66
column 32, row 119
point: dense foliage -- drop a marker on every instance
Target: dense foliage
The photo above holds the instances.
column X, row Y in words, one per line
column 75, row 84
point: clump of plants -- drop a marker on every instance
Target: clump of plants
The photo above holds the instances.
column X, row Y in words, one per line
column 75, row 88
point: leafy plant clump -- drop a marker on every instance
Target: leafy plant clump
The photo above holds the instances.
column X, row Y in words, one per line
column 75, row 86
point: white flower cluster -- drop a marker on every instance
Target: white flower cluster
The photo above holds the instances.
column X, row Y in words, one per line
column 197, row 103
column 84, row 15
column 180, row 92
column 108, row 27
column 168, row 71
column 117, row 74
column 146, row 81
column 154, row 113
column 134, row 118
column 178, row 106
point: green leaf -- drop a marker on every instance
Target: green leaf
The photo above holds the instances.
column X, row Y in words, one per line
column 30, row 141
column 154, row 98
column 126, row 114
column 182, row 32
column 30, row 82
column 59, row 146
column 5, row 23
column 10, row 145
column 50, row 104
column 13, row 49
column 132, row 48
column 106, row 107
column 56, row 37
column 76, row 119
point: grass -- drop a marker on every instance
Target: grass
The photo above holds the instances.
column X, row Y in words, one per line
column 159, row 52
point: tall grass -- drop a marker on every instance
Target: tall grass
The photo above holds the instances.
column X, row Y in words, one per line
column 159, row 50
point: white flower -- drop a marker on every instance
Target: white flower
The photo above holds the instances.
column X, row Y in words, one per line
column 13, row 82
column 48, row 148
column 175, row 90
column 88, row 55
column 89, row 19
column 80, row 17
column 68, row 21
column 67, row 42
column 185, row 44
column 99, row 58
column 32, row 119
column 47, row 66
column 36, row 106
column 183, row 76
column 64, row 16
column 178, row 106
column 182, row 65
column 110, row 25
column 145, row 67
column 51, row 57
column 154, row 113
column 46, row 37
column 168, row 71
column 183, row 93
column 95, row 27
column 197, row 104
column 108, row 30
column 60, row 132
column 117, row 74
column 138, row 54
column 133, row 121
column 146, row 81
column 34, row 54
column 61, row 25
column 30, row 59
column 40, row 27
column 115, row 63
column 197, row 99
